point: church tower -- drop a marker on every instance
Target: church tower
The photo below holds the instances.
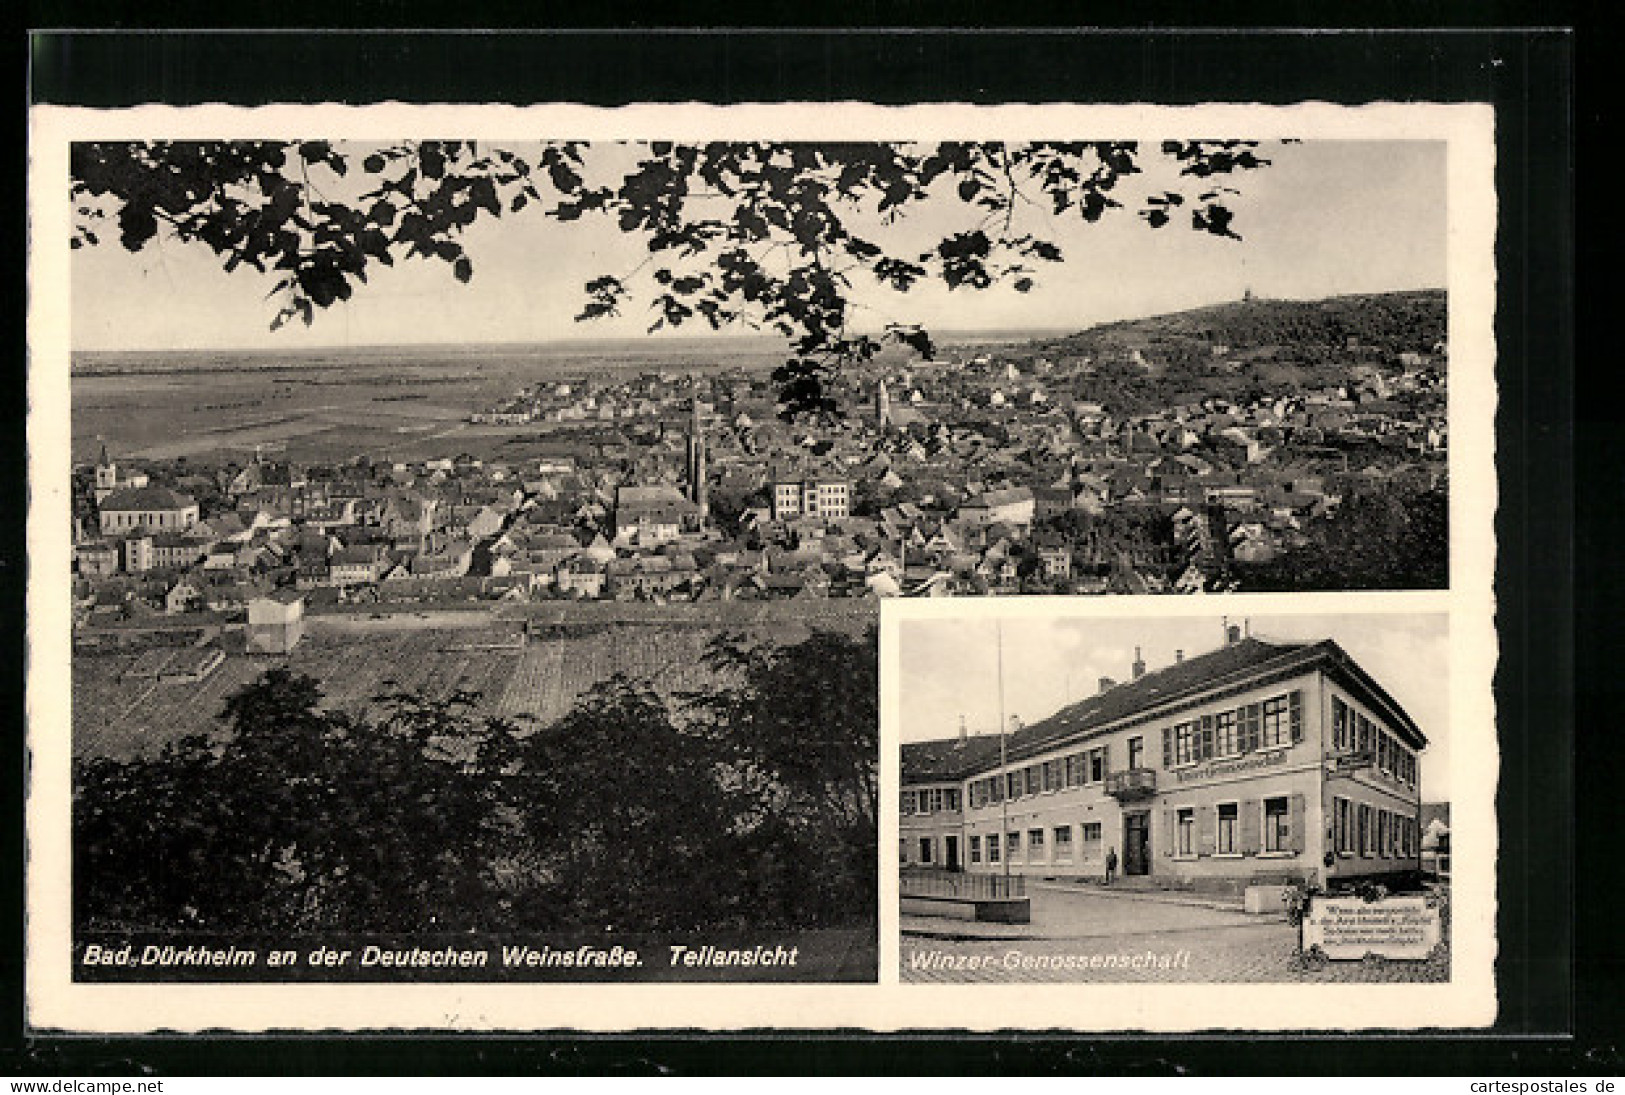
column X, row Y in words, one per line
column 698, row 490
column 882, row 406
column 106, row 474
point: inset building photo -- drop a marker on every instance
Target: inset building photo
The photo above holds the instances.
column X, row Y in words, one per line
column 1151, row 798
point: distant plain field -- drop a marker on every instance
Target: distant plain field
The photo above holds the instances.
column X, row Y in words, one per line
column 336, row 403
column 406, row 403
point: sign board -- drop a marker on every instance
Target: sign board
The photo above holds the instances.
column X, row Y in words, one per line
column 1221, row 769
column 1351, row 927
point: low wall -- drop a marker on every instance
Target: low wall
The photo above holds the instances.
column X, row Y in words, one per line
column 992, row 910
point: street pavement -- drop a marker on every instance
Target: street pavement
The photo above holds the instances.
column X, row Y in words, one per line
column 1093, row 936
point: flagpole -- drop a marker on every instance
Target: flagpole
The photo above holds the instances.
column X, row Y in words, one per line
column 1004, row 792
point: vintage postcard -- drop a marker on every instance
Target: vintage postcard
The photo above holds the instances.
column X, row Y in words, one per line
column 771, row 566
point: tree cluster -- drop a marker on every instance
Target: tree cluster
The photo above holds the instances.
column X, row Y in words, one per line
column 751, row 806
column 1393, row 537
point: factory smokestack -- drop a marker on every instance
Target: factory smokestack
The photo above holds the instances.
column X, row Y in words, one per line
column 1139, row 664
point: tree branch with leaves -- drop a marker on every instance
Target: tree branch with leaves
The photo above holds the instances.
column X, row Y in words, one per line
column 769, row 235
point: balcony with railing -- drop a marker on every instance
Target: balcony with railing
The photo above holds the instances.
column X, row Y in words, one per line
column 1132, row 784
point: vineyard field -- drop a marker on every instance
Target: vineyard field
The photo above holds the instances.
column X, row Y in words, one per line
column 118, row 717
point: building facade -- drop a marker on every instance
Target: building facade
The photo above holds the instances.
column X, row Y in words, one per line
column 827, row 499
column 1256, row 763
column 154, row 509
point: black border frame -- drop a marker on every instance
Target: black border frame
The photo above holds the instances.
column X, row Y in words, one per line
column 1553, row 1017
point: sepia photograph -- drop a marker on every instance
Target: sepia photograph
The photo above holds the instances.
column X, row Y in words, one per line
column 478, row 549
column 1160, row 799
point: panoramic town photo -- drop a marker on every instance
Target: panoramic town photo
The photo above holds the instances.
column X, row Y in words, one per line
column 1158, row 799
column 485, row 539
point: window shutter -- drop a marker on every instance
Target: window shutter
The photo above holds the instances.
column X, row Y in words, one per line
column 1205, row 747
column 1167, row 746
column 1295, row 820
column 1207, row 830
column 1171, row 828
column 1295, row 709
column 1106, row 758
column 1251, row 824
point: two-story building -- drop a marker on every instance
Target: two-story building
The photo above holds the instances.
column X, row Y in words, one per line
column 1255, row 763
column 932, row 825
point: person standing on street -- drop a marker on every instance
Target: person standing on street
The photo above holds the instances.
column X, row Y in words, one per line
column 1111, row 864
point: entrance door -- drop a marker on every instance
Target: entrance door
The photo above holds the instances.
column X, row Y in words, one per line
column 950, row 852
column 1136, row 844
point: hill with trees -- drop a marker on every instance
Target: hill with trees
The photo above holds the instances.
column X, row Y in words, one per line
column 1242, row 349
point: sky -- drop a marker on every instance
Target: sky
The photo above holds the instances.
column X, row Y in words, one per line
column 1327, row 218
column 949, row 667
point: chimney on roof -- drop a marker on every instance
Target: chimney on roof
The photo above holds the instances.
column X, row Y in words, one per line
column 1232, row 635
column 1107, row 684
column 1139, row 664
column 1015, row 724
column 1179, row 656
column 963, row 732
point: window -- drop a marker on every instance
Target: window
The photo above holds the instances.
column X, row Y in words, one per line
column 1035, row 844
column 1091, row 832
column 1226, row 741
column 1363, row 734
column 1054, row 775
column 1341, row 730
column 1185, row 841
column 1229, row 814
column 1063, row 842
column 1365, row 829
column 1185, row 743
column 1342, row 826
column 992, row 848
column 1276, row 729
column 950, row 799
column 1012, row 844
column 902, row 849
column 1384, row 761
column 1097, row 765
column 1075, row 774
column 1136, row 752
column 1035, row 778
column 908, row 802
column 1251, row 727
column 1382, row 833
column 925, row 849
column 1277, row 825
column 978, row 795
column 976, row 849
column 1012, row 781
column 995, row 789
